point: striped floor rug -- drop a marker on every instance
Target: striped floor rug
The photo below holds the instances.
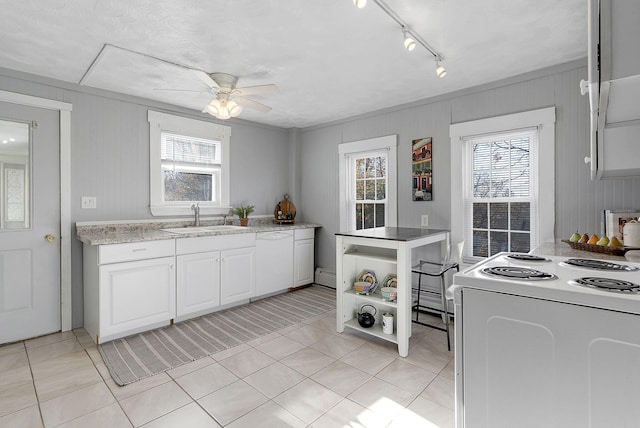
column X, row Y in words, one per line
column 142, row 355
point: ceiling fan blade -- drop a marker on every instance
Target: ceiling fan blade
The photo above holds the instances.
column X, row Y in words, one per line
column 182, row 90
column 255, row 90
column 246, row 102
column 206, row 79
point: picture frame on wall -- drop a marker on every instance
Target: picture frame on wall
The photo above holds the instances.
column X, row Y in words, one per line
column 422, row 169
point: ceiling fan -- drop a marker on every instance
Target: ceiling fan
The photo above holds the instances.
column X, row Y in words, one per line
column 230, row 100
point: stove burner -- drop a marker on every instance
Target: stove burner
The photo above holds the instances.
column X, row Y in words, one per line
column 600, row 265
column 527, row 257
column 515, row 272
column 608, row 284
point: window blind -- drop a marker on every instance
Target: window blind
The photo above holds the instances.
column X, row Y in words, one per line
column 500, row 200
column 179, row 148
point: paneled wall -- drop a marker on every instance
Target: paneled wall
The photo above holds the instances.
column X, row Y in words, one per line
column 579, row 201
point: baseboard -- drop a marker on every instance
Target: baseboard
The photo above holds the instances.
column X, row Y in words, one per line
column 325, row 277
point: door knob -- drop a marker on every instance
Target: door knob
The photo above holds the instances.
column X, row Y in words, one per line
column 49, row 238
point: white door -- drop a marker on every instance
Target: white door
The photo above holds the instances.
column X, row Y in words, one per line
column 237, row 275
column 303, row 273
column 198, row 284
column 29, row 222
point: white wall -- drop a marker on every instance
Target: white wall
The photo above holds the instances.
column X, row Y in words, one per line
column 579, row 201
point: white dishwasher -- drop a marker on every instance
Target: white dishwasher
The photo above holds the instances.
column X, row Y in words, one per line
column 274, row 262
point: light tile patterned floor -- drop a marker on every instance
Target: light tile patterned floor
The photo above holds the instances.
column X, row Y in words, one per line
column 306, row 375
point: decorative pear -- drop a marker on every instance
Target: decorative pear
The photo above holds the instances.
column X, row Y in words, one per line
column 603, row 241
column 575, row 237
column 615, row 242
column 584, row 239
column 594, row 239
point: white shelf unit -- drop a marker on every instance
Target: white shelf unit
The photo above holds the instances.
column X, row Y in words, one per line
column 384, row 256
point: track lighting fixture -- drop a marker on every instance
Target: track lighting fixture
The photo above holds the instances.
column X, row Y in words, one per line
column 409, row 43
column 410, row 37
column 440, row 70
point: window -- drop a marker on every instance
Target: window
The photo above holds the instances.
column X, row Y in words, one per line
column 503, row 196
column 369, row 193
column 189, row 163
column 190, row 168
column 367, row 171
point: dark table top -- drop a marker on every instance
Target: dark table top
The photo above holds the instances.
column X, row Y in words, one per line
column 393, row 233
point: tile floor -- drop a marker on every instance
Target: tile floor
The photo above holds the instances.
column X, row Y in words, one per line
column 306, row 375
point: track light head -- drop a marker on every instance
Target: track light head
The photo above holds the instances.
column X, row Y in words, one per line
column 360, row 3
column 440, row 70
column 409, row 43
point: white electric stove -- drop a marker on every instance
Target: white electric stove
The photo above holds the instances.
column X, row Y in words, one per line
column 547, row 341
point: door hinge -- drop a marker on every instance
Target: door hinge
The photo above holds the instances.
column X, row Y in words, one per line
column 34, row 124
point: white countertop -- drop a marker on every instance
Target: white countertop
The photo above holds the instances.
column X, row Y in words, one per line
column 124, row 232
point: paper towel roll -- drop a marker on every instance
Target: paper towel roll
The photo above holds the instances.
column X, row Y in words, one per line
column 631, row 234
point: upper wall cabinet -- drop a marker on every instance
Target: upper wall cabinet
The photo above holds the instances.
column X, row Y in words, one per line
column 614, row 87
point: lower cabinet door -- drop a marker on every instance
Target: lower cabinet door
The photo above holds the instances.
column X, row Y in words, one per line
column 237, row 274
column 303, row 268
column 198, row 287
column 135, row 295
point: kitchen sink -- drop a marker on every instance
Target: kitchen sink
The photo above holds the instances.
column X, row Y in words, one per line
column 196, row 229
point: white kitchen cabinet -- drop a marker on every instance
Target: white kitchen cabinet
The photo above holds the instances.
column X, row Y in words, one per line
column 214, row 271
column 128, row 288
column 274, row 262
column 303, row 257
column 237, row 275
column 198, row 289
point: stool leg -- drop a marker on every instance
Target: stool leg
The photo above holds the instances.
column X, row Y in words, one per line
column 445, row 311
column 418, row 299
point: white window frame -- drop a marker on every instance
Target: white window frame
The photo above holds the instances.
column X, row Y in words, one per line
column 159, row 122
column 346, row 152
column 544, row 212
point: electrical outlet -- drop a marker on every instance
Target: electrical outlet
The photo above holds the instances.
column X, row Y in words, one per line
column 425, row 220
column 89, row 202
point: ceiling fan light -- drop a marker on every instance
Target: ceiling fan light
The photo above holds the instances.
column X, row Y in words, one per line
column 234, row 108
column 213, row 108
column 360, row 3
column 223, row 114
column 440, row 70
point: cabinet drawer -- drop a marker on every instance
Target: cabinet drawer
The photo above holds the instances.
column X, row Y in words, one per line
column 116, row 253
column 304, row 233
column 210, row 243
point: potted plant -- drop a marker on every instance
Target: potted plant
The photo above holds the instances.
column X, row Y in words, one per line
column 243, row 211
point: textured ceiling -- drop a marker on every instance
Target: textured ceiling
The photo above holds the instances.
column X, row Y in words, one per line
column 329, row 59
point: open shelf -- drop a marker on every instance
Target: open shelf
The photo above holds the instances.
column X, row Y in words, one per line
column 388, row 257
column 376, row 330
column 375, row 298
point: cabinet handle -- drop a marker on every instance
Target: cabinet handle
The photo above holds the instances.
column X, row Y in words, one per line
column 135, row 250
column 172, row 267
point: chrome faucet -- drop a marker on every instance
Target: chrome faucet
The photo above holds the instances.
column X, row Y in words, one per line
column 196, row 208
